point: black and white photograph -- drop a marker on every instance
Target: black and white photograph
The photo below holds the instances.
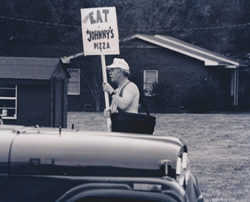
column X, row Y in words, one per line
column 124, row 100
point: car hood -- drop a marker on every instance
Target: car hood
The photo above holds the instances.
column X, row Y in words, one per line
column 85, row 153
column 6, row 139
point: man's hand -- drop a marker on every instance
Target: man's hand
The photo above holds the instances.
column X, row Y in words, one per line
column 107, row 113
column 107, row 87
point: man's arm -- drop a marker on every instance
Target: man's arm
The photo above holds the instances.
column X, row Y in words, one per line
column 129, row 94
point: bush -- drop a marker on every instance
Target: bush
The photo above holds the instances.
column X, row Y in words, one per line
column 244, row 97
column 162, row 93
column 202, row 97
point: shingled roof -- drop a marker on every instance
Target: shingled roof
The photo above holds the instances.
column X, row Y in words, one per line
column 210, row 58
column 27, row 68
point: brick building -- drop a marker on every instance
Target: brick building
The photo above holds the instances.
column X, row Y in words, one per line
column 154, row 57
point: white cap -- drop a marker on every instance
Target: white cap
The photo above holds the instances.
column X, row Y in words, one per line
column 119, row 63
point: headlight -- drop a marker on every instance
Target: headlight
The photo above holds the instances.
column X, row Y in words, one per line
column 182, row 169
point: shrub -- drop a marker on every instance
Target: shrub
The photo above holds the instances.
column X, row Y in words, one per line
column 162, row 93
column 203, row 96
column 244, row 97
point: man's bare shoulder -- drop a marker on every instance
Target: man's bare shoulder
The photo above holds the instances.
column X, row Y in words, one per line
column 131, row 86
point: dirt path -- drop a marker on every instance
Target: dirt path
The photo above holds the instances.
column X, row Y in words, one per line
column 218, row 146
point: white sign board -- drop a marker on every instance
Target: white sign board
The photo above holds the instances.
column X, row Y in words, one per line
column 100, row 31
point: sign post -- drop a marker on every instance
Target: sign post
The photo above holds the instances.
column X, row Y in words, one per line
column 100, row 37
column 106, row 95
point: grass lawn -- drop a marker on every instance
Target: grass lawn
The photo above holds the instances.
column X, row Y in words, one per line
column 218, row 144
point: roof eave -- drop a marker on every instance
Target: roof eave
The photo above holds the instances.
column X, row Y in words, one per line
column 130, row 38
column 205, row 52
column 206, row 61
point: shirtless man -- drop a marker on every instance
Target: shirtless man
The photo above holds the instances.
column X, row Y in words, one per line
column 129, row 100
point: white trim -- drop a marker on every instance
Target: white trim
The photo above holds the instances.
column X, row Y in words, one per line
column 129, row 38
column 66, row 59
column 231, row 66
column 236, row 88
column 197, row 50
column 232, row 83
column 16, row 104
column 7, row 98
column 10, row 98
column 210, row 63
column 153, row 47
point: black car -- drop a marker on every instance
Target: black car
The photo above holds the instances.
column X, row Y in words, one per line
column 62, row 165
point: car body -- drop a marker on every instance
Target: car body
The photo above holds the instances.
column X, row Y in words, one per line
column 51, row 164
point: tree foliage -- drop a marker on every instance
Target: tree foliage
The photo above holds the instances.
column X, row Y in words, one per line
column 221, row 26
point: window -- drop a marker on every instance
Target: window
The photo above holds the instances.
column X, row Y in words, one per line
column 74, row 82
column 8, row 101
column 150, row 77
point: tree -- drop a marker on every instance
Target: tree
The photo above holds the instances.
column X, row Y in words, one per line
column 203, row 23
column 92, row 76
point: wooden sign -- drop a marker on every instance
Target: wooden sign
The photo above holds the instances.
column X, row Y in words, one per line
column 100, row 31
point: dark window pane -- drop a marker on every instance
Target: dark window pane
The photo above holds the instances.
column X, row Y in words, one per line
column 7, row 92
column 7, row 103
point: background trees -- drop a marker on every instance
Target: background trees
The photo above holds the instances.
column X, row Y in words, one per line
column 54, row 29
column 221, row 26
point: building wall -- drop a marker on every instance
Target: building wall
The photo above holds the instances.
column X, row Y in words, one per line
column 175, row 67
column 32, row 106
column 90, row 82
column 180, row 69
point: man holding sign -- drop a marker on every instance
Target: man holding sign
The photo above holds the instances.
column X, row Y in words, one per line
column 126, row 97
column 100, row 37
